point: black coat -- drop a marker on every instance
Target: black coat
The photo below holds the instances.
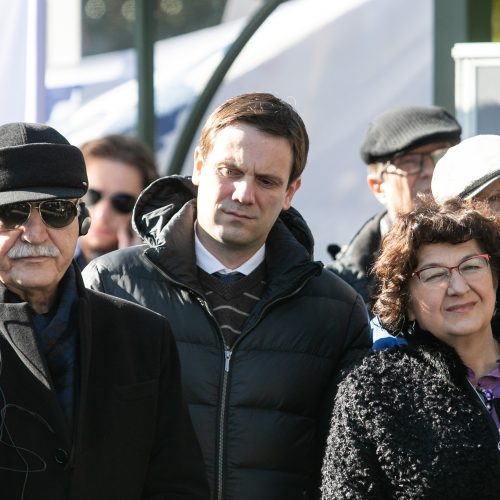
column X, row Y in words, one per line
column 132, row 438
column 262, row 410
column 354, row 262
column 408, row 425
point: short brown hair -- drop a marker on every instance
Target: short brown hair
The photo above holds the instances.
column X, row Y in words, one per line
column 456, row 221
column 268, row 114
column 127, row 149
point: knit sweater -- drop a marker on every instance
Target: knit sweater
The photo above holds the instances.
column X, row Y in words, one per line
column 408, row 425
column 232, row 303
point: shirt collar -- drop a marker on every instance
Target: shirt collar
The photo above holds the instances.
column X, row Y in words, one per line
column 210, row 264
column 492, row 375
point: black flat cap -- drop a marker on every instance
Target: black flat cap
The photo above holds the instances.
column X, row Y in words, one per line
column 38, row 163
column 401, row 129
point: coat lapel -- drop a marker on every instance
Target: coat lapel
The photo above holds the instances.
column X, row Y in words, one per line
column 16, row 328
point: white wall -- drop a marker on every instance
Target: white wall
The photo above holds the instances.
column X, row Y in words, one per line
column 22, row 60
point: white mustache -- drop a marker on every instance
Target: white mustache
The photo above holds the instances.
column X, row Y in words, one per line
column 22, row 250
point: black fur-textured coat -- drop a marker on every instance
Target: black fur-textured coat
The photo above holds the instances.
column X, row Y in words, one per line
column 408, row 425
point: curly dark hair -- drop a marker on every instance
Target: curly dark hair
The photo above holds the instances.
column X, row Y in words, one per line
column 456, row 221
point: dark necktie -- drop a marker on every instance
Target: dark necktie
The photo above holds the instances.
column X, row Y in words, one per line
column 229, row 277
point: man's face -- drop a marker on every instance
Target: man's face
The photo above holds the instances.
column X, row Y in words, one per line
column 242, row 188
column 398, row 189
column 109, row 178
column 491, row 194
column 37, row 274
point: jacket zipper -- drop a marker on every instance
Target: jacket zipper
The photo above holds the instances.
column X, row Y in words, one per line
column 222, row 420
column 227, row 365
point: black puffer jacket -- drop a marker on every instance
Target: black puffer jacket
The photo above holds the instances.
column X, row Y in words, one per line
column 408, row 425
column 262, row 410
column 354, row 262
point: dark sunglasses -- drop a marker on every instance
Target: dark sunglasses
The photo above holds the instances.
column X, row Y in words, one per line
column 54, row 213
column 121, row 202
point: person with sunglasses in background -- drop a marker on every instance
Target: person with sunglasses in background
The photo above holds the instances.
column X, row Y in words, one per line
column 119, row 167
column 401, row 148
column 421, row 420
column 91, row 405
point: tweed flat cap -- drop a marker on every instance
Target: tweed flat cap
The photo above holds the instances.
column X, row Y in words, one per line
column 401, row 129
column 467, row 168
column 38, row 163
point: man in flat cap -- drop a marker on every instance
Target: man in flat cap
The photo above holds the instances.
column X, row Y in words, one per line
column 401, row 148
column 90, row 397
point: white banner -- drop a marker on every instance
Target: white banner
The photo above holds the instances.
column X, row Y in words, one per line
column 22, row 60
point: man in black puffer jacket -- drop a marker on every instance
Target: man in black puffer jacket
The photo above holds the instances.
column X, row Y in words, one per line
column 260, row 355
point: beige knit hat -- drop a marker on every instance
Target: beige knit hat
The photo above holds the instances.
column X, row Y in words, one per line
column 467, row 168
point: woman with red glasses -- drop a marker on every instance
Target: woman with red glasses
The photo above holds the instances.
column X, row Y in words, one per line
column 422, row 420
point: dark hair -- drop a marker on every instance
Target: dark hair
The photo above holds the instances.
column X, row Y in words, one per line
column 268, row 114
column 127, row 149
column 456, row 221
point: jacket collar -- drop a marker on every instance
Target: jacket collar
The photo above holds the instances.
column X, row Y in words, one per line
column 437, row 353
column 164, row 217
column 16, row 328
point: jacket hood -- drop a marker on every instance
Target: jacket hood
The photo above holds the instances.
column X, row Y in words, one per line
column 159, row 203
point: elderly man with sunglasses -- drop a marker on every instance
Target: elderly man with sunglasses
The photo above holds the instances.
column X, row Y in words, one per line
column 90, row 396
column 119, row 167
column 401, row 148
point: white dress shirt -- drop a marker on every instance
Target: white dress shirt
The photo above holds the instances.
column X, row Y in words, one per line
column 210, row 264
